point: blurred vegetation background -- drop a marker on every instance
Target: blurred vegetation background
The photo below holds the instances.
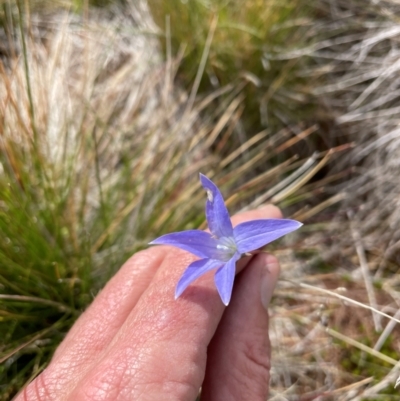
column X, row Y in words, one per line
column 108, row 111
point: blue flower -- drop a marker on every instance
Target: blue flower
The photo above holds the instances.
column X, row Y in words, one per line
column 221, row 248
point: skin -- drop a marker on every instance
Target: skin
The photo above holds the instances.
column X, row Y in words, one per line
column 136, row 342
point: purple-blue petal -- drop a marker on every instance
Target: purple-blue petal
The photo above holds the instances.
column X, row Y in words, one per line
column 224, row 278
column 217, row 214
column 200, row 243
column 194, row 271
column 255, row 234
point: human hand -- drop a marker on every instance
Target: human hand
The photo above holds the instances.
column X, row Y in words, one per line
column 136, row 342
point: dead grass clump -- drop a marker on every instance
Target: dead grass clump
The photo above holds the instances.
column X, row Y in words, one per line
column 358, row 62
column 349, row 345
column 325, row 343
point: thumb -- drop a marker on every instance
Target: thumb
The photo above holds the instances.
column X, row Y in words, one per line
column 238, row 358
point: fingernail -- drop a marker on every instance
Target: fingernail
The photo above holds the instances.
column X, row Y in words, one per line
column 269, row 277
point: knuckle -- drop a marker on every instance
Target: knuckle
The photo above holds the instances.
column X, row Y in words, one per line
column 256, row 359
column 249, row 380
column 38, row 390
column 104, row 388
column 253, row 372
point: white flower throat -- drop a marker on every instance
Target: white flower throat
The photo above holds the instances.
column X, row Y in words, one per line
column 228, row 246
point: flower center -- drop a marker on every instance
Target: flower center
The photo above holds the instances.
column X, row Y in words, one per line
column 228, row 247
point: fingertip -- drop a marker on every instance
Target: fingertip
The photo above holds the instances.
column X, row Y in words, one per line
column 272, row 211
column 265, row 212
column 271, row 263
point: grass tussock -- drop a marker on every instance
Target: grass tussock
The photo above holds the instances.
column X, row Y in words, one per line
column 351, row 348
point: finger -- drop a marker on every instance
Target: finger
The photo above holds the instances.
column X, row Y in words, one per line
column 114, row 303
column 265, row 212
column 239, row 354
column 96, row 327
column 161, row 348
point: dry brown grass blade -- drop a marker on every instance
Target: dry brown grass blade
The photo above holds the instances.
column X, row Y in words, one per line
column 27, row 343
column 243, row 148
column 255, row 185
column 386, row 332
column 22, row 298
column 343, row 298
column 365, row 271
column 286, row 182
column 303, row 135
column 295, row 186
column 303, row 215
column 352, row 387
column 230, row 111
column 388, row 380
